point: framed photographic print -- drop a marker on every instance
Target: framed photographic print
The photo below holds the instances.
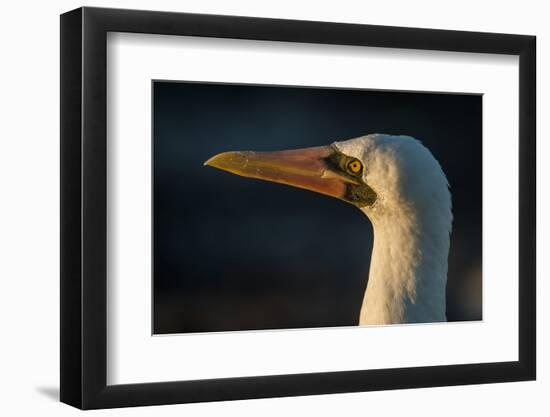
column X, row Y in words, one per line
column 258, row 207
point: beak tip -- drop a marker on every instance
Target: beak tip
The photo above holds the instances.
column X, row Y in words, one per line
column 228, row 161
column 210, row 161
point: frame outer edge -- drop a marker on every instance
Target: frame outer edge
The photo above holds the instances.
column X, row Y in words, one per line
column 70, row 215
column 527, row 206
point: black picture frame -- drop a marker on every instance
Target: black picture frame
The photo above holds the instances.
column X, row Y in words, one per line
column 83, row 207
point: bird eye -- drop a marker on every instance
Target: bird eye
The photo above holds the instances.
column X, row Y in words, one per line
column 355, row 166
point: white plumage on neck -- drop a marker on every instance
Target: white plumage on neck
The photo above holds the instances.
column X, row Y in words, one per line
column 411, row 220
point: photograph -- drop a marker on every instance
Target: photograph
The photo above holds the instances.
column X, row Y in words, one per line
column 296, row 207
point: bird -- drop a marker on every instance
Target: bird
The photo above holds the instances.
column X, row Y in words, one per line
column 402, row 189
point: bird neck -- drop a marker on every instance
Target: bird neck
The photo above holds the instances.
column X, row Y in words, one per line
column 408, row 271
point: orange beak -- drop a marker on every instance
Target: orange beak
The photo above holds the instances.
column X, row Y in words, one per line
column 303, row 168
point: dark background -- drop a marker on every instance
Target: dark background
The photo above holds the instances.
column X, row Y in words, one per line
column 232, row 253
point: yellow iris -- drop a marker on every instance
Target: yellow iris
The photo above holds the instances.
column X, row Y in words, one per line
column 355, row 166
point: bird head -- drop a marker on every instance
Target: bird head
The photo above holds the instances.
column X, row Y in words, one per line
column 376, row 173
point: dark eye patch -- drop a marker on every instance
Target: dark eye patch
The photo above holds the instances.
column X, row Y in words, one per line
column 348, row 165
column 360, row 194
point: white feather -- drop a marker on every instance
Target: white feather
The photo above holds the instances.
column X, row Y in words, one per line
column 412, row 221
